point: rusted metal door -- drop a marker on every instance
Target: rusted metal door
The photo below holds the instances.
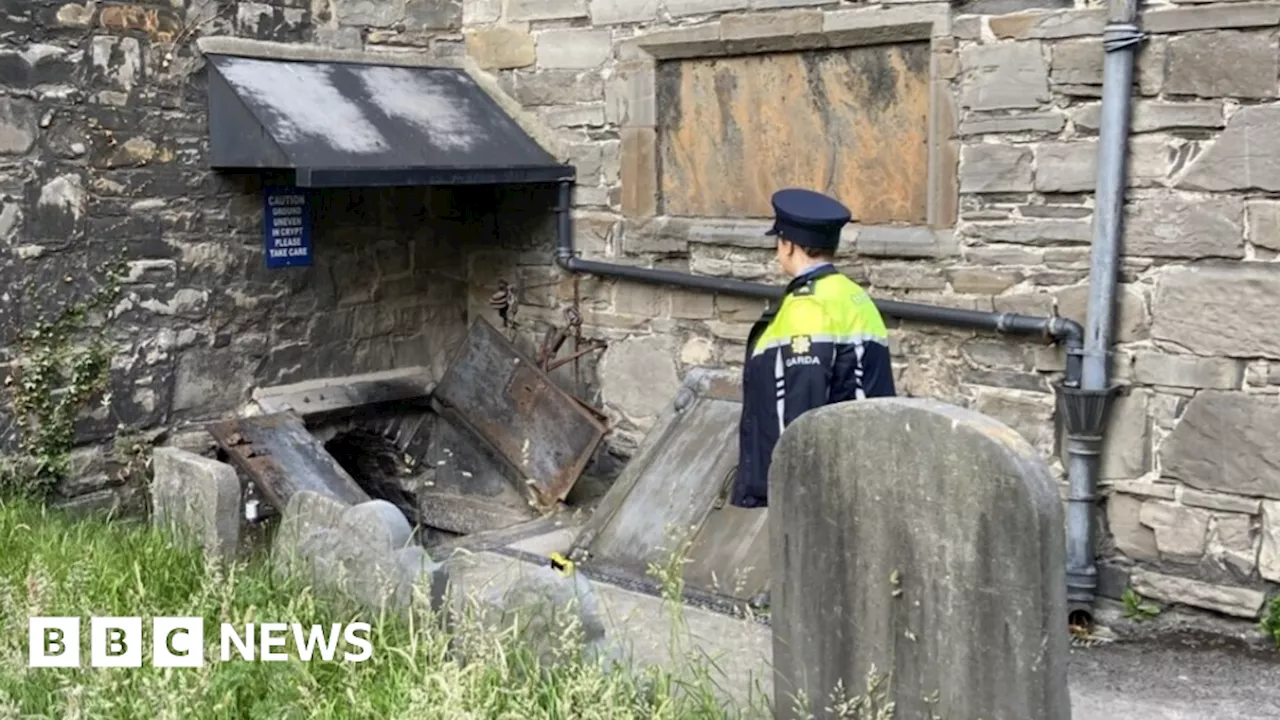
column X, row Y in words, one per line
column 282, row 457
column 501, row 396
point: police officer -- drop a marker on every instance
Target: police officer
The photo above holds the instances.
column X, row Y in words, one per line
column 825, row 342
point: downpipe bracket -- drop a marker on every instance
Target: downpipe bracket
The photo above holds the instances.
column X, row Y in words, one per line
column 1084, row 412
column 1121, row 36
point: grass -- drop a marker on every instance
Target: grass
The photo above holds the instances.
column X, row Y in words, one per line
column 50, row 565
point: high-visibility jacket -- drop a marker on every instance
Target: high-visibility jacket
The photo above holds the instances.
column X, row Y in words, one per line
column 824, row 343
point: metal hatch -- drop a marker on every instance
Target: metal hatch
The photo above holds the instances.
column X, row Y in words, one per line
column 500, row 395
column 676, row 488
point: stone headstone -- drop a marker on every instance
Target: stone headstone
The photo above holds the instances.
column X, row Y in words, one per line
column 198, row 499
column 920, row 546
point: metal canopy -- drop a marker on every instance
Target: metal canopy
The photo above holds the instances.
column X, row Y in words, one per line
column 350, row 124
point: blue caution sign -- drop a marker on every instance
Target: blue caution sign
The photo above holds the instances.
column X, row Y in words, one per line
column 286, row 226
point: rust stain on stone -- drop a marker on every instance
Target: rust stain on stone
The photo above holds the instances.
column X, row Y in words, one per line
column 162, row 25
column 853, row 123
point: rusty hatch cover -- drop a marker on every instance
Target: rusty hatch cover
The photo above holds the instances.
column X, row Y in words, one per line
column 498, row 393
column 283, row 457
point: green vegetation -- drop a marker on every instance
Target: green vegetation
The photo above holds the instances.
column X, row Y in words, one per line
column 1135, row 608
column 1271, row 620
column 64, row 364
column 55, row 566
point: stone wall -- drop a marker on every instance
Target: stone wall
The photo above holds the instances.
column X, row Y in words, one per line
column 102, row 147
column 1191, row 487
column 1191, row 481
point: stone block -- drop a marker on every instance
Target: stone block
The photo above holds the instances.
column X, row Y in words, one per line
column 1225, row 442
column 1264, row 224
column 1214, row 65
column 1032, row 122
column 907, row 277
column 1146, row 489
column 1269, row 555
column 773, row 32
column 1181, row 532
column 691, row 305
column 518, row 10
column 376, row 523
column 18, row 126
column 877, row 550
column 900, row 242
column 1235, row 601
column 1219, row 311
column 372, row 577
column 684, row 8
column 490, row 594
column 1126, row 448
column 638, row 376
column 420, row 15
column 574, row 49
column 575, row 116
column 1187, row 371
column 639, row 299
column 558, row 87
column 1169, row 20
column 1131, row 321
column 1232, row 543
column 1004, row 76
column 198, row 499
column 697, row 352
column 481, row 12
column 1076, row 67
column 1131, row 537
column 1050, row 25
column 368, row 13
column 305, row 512
column 632, row 93
column 1245, row 156
column 502, row 47
column 639, row 172
column 995, row 168
column 1152, row 115
column 1218, row 501
column 617, row 12
column 1032, row 231
column 1175, row 226
column 1066, row 167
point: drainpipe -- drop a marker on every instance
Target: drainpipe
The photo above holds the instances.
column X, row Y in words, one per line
column 1073, row 400
column 1057, row 328
column 1085, row 408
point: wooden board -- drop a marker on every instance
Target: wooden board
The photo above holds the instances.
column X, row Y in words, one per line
column 282, row 457
column 500, row 395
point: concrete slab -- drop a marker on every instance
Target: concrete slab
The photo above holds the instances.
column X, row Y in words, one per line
column 673, row 491
column 1164, row 680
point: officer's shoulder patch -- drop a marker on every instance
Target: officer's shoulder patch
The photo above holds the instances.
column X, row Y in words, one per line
column 805, row 289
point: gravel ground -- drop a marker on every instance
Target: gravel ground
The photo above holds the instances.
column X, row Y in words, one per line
column 1191, row 677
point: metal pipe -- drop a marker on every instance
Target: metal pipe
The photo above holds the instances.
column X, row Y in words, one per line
column 1087, row 419
column 1058, row 328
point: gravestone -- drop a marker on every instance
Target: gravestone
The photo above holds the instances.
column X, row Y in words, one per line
column 918, row 546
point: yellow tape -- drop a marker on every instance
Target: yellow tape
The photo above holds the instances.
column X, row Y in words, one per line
column 561, row 564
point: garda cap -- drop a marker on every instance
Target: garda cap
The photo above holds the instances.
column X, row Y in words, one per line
column 809, row 218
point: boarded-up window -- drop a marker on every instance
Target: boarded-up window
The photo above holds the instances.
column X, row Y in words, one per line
column 851, row 122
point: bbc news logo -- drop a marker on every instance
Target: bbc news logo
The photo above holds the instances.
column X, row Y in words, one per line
column 54, row 642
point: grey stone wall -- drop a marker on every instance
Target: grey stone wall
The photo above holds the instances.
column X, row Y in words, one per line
column 102, row 147
column 101, row 141
column 1192, row 493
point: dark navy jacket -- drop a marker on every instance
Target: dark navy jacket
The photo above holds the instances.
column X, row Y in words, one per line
column 824, row 343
